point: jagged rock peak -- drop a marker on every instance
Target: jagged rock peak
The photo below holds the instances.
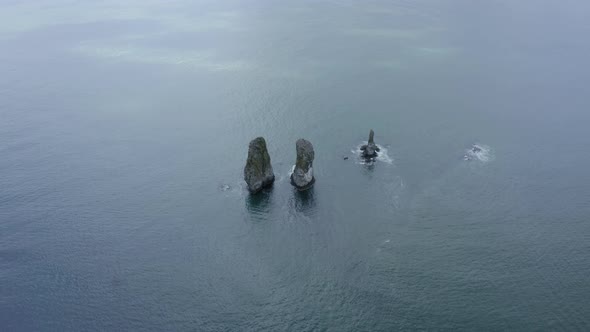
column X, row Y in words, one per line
column 369, row 151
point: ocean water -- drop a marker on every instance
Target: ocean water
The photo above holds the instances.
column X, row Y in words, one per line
column 124, row 132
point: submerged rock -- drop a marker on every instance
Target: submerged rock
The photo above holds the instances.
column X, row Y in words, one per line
column 302, row 177
column 369, row 151
column 258, row 172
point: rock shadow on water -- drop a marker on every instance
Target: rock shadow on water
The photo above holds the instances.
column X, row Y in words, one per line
column 369, row 168
column 259, row 204
column 304, row 202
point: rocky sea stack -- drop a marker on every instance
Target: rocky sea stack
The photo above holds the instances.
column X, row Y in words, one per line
column 302, row 177
column 258, row 171
column 369, row 151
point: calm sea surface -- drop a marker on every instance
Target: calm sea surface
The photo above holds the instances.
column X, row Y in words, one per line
column 124, row 129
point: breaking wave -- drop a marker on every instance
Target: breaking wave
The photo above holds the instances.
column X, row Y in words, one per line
column 479, row 152
column 382, row 155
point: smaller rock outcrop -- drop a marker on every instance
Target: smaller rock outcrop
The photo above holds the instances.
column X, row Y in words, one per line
column 258, row 172
column 369, row 151
column 302, row 176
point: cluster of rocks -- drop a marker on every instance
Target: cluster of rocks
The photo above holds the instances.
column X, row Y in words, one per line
column 369, row 150
column 258, row 172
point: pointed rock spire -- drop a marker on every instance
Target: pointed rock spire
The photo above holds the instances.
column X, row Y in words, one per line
column 369, row 151
column 302, row 177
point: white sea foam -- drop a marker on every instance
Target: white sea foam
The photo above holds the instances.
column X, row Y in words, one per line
column 479, row 152
column 234, row 189
column 382, row 155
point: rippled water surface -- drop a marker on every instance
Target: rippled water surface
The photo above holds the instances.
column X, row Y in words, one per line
column 124, row 132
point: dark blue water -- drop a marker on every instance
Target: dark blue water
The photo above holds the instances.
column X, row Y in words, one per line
column 124, row 132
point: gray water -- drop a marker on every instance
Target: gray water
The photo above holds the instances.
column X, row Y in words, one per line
column 124, row 132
